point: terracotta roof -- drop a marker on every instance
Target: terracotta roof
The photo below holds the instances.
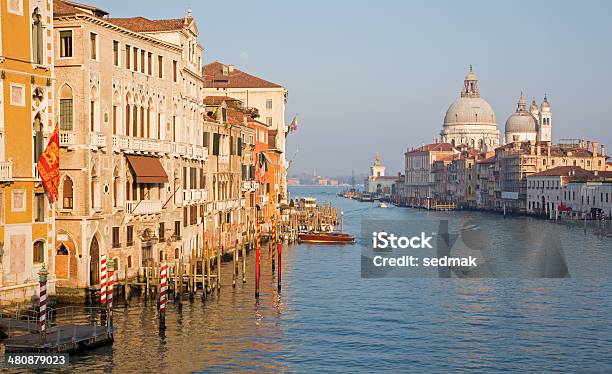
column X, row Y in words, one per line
column 235, row 79
column 254, row 121
column 488, row 160
column 235, row 117
column 141, row 24
column 216, row 100
column 65, row 8
column 559, row 171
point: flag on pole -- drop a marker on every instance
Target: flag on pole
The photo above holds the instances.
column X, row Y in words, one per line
column 48, row 166
column 294, row 124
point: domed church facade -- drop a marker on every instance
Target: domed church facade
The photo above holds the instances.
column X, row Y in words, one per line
column 470, row 120
column 524, row 125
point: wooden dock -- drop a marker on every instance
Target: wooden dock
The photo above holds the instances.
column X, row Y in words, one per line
column 65, row 338
column 70, row 329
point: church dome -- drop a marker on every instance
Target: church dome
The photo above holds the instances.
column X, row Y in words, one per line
column 521, row 121
column 470, row 111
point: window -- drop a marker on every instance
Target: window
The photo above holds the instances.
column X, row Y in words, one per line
column 174, row 71
column 142, row 61
column 127, row 56
column 116, row 241
column 67, row 194
column 130, row 235
column 39, row 209
column 15, row 7
column 215, row 147
column 160, row 67
column 129, row 261
column 115, row 53
column 66, row 43
column 17, row 94
column 115, row 109
column 162, row 232
column 185, row 216
column 38, row 252
column 18, row 201
column 269, row 104
column 93, row 46
column 37, row 37
column 177, row 229
column 92, row 115
column 150, row 63
column 269, row 121
column 135, row 65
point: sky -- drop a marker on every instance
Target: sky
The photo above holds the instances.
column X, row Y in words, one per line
column 378, row 76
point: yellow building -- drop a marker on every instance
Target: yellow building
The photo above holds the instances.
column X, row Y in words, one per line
column 26, row 122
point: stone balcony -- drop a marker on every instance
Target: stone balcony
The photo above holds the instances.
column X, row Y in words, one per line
column 160, row 147
column 67, row 139
column 136, row 207
column 249, row 185
column 97, row 140
column 194, row 196
column 6, row 170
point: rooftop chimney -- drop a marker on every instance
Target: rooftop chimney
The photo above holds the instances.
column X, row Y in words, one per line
column 225, row 70
column 230, row 68
column 588, row 145
column 603, row 151
column 595, row 149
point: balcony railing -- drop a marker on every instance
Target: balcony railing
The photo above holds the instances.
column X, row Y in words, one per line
column 145, row 145
column 67, row 139
column 6, row 170
column 194, row 196
column 224, row 159
column 136, row 207
column 97, row 139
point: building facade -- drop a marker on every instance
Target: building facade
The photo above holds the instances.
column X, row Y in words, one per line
column 27, row 118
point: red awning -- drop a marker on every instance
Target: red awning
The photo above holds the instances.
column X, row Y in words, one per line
column 147, row 169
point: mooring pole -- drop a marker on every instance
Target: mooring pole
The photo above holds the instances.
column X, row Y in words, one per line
column 280, row 263
column 257, row 250
column 219, row 268
column 42, row 312
column 272, row 243
column 103, row 279
column 162, row 296
column 109, row 304
column 243, row 261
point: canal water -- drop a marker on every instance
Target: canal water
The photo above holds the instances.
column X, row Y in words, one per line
column 329, row 319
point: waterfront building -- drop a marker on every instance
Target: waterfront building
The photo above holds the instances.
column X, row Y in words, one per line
column 529, row 125
column 267, row 97
column 377, row 182
column 418, row 183
column 570, row 190
column 516, row 161
column 485, row 187
column 470, row 120
column 133, row 183
column 27, row 119
column 262, row 170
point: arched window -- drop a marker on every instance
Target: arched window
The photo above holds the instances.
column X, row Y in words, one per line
column 38, row 255
column 37, row 137
column 62, row 250
column 127, row 115
column 37, row 37
column 66, row 108
column 67, row 194
column 116, row 186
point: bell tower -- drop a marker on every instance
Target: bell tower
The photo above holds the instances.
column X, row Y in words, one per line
column 545, row 122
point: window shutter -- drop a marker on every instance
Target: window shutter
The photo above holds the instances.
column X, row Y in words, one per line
column 216, row 138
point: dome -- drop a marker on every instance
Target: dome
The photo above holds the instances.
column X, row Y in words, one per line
column 470, row 111
column 521, row 122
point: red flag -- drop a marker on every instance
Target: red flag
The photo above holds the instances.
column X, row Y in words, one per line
column 294, row 124
column 48, row 166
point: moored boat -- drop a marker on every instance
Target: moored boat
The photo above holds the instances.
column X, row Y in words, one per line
column 326, row 238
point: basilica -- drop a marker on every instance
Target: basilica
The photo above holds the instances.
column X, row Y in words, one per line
column 471, row 121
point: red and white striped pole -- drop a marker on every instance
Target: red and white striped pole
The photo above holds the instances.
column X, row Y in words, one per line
column 109, row 304
column 103, row 279
column 163, row 288
column 280, row 263
column 42, row 313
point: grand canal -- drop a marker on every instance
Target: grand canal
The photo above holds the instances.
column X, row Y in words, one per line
column 329, row 319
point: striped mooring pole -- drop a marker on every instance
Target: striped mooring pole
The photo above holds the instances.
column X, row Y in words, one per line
column 257, row 251
column 272, row 243
column 103, row 279
column 279, row 246
column 42, row 313
column 163, row 288
column 109, row 296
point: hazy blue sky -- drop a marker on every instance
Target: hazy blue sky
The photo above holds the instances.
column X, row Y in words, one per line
column 368, row 76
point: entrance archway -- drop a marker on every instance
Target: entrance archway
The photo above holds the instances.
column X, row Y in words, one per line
column 94, row 262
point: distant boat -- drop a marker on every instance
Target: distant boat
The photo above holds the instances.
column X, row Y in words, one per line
column 326, row 238
column 383, row 205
